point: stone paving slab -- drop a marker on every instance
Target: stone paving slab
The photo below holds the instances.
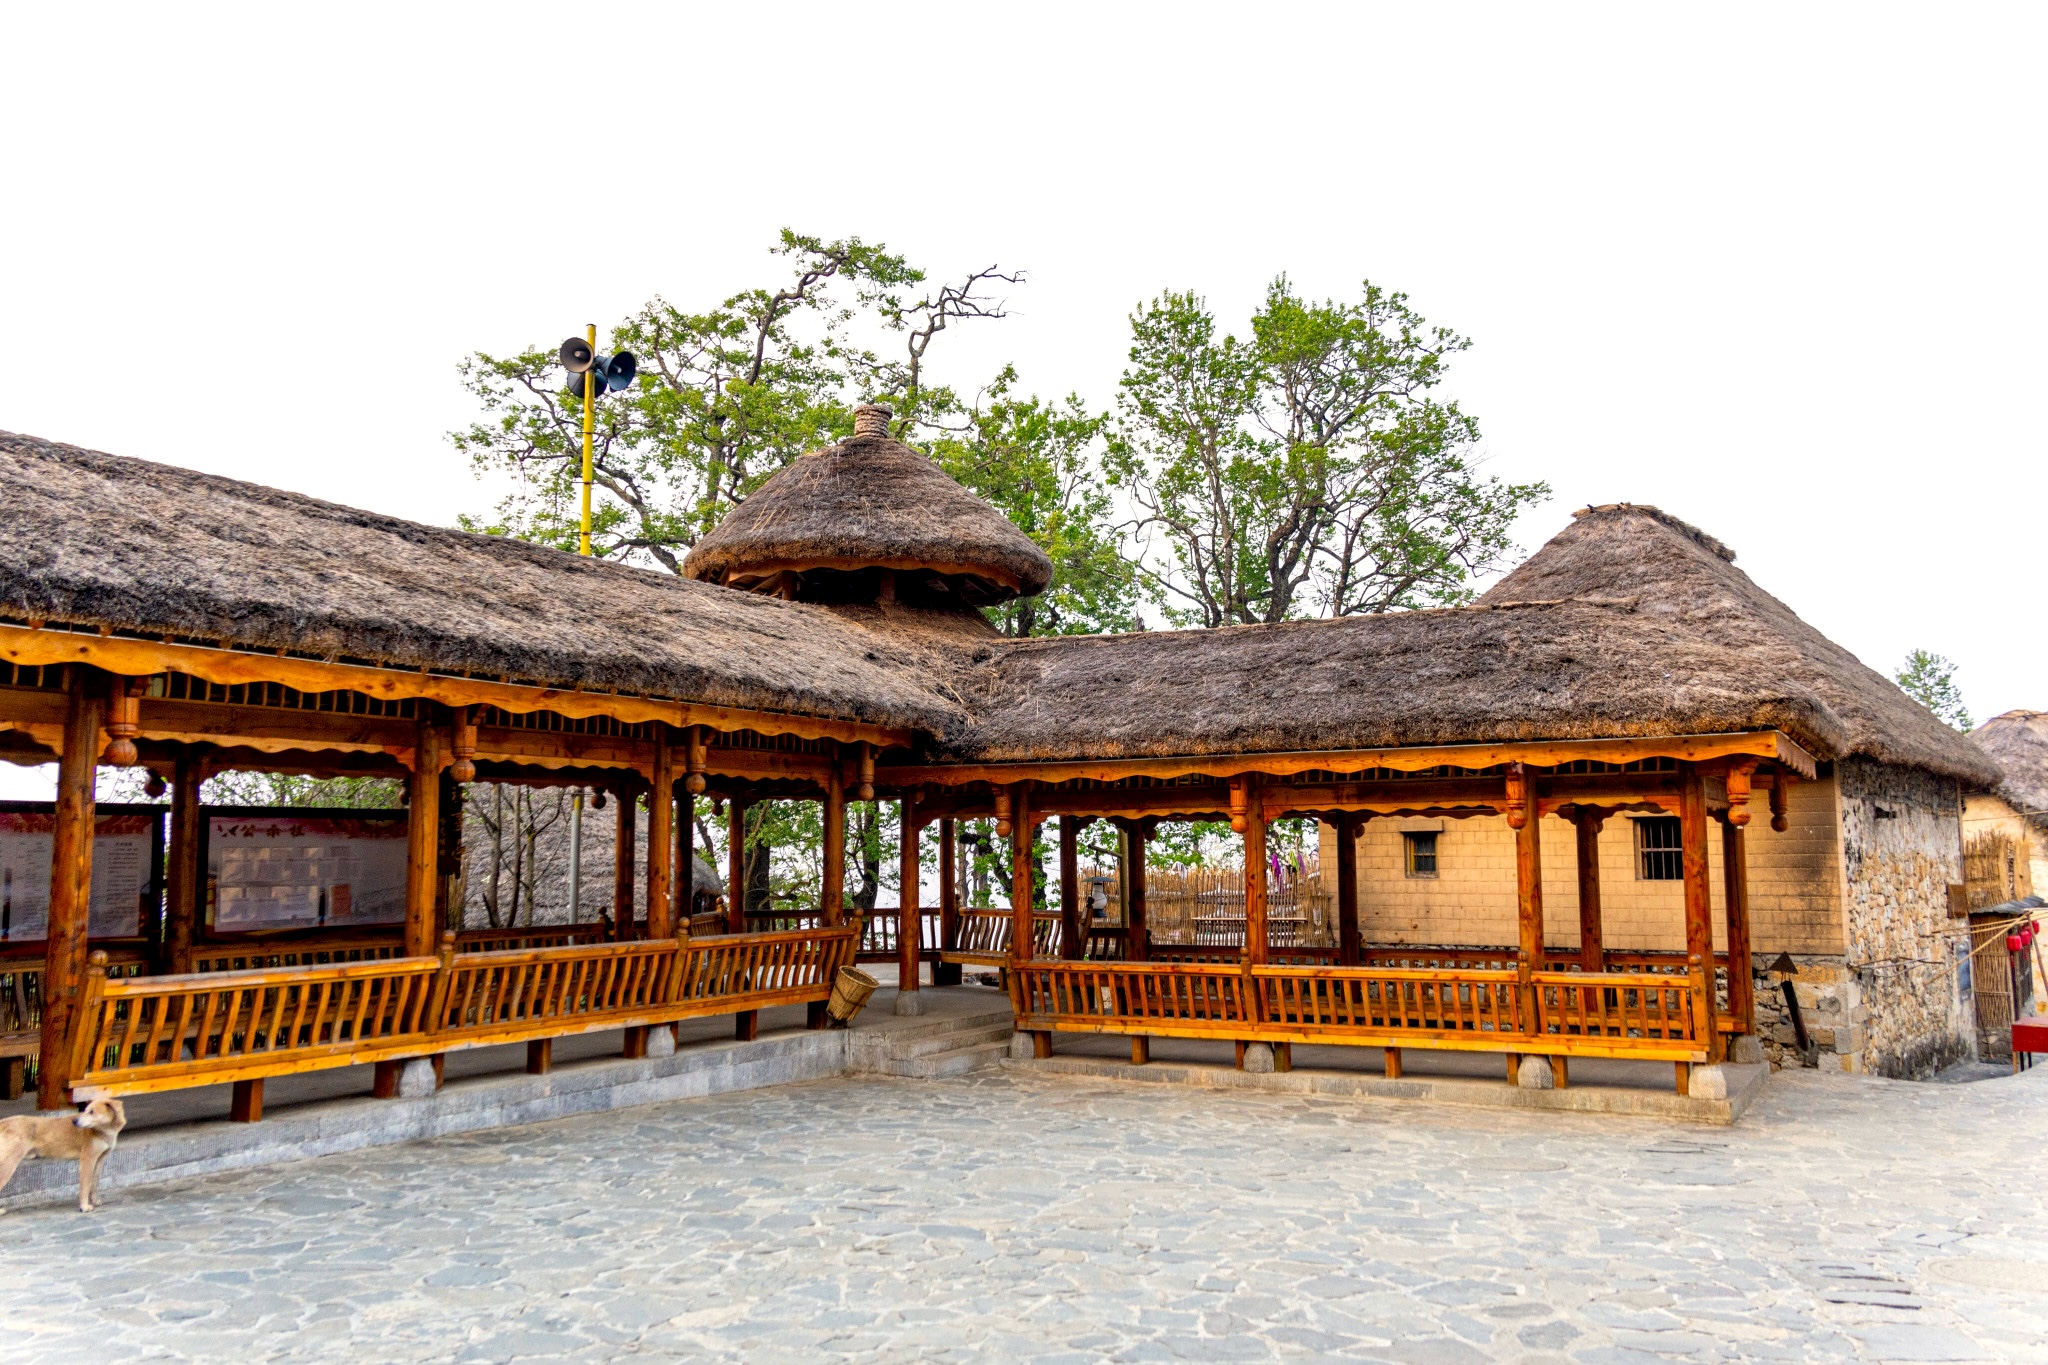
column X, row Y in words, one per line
column 1022, row 1215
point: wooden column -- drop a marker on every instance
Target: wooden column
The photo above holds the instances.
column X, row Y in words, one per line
column 832, row 879
column 1073, row 921
column 184, row 878
column 683, row 892
column 627, row 834
column 1020, row 874
column 64, row 947
column 448, row 855
column 1256, row 946
column 908, row 912
column 1137, row 932
column 1735, row 875
column 423, row 841
column 736, row 864
column 1592, row 953
column 943, row 973
column 1523, row 819
column 661, row 838
column 1348, row 947
column 1699, row 906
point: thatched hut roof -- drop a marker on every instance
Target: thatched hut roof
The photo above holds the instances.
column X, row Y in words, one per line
column 1629, row 623
column 2018, row 742
column 872, row 502
column 138, row 546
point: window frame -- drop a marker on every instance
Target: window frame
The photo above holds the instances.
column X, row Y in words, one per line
column 1411, row 851
column 1669, row 859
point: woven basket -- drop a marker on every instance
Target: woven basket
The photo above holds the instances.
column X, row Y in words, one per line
column 850, row 991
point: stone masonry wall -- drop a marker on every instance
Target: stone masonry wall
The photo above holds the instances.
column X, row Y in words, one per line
column 1901, row 849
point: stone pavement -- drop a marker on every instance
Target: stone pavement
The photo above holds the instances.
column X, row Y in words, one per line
column 1019, row 1215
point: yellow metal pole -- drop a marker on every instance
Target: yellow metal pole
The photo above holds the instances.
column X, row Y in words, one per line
column 589, row 410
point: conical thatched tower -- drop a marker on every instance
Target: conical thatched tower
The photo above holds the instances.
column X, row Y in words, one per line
column 2018, row 742
column 870, row 521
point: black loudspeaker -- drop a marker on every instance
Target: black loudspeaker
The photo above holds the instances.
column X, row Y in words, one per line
column 576, row 355
column 621, row 369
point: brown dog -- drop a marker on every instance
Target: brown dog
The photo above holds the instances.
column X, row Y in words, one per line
column 85, row 1137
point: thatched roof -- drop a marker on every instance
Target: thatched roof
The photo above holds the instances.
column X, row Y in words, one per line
column 2018, row 742
column 871, row 501
column 1629, row 623
column 147, row 547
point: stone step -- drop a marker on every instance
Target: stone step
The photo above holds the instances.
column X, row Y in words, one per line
column 951, row 1062
column 926, row 1044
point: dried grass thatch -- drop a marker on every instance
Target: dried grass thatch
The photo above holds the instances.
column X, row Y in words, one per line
column 1629, row 623
column 138, row 546
column 872, row 501
column 2018, row 742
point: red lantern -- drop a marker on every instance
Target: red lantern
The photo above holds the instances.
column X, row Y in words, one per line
column 2014, row 943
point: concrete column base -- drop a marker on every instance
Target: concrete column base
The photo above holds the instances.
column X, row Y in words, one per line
column 1022, row 1048
column 910, row 1002
column 1745, row 1049
column 661, row 1041
column 1708, row 1083
column 1258, row 1058
column 416, row 1079
column 1535, row 1074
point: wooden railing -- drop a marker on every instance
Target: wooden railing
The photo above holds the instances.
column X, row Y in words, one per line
column 983, row 938
column 205, row 1028
column 170, row 1032
column 1495, row 1010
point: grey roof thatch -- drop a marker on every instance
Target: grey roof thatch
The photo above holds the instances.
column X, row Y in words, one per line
column 1628, row 623
column 872, row 501
column 2018, row 742
column 140, row 546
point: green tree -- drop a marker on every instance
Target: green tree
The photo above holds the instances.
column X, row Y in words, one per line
column 1039, row 464
column 1930, row 679
column 1308, row 469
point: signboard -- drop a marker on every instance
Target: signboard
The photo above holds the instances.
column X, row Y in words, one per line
column 124, row 861
column 287, row 869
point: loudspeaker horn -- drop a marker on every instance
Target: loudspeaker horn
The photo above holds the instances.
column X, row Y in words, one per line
column 620, row 370
column 576, row 355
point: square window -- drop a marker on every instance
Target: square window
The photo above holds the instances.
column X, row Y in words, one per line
column 1659, row 856
column 1421, row 854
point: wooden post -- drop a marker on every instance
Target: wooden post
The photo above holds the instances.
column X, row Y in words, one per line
column 622, row 860
column 64, row 946
column 736, row 863
column 1699, row 906
column 1592, row 953
column 540, row 1056
column 684, row 897
column 1735, row 872
column 1020, row 874
column 184, row 878
column 423, row 840
column 448, row 854
column 245, row 1102
column 1256, row 945
column 1073, row 923
column 948, row 973
column 1348, row 946
column 833, row 878
column 1523, row 819
column 1137, row 932
column 908, row 913
column 661, row 835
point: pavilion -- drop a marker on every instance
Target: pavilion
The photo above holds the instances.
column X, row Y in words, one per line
column 826, row 643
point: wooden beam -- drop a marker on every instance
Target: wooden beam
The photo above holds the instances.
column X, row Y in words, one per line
column 908, row 914
column 1523, row 817
column 661, row 834
column 625, row 836
column 1073, row 924
column 1021, row 828
column 1587, row 822
column 1735, row 902
column 64, row 945
column 184, row 878
column 423, row 841
column 1769, row 744
column 1348, row 945
column 136, row 658
column 1699, row 908
column 833, row 878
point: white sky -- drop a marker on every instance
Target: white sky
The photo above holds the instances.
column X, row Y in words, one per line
column 1776, row 269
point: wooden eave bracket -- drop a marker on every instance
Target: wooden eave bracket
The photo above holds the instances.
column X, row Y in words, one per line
column 136, row 658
